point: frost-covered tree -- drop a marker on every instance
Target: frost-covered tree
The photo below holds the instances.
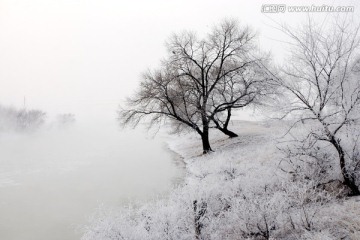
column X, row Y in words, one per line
column 30, row 119
column 323, row 87
column 20, row 119
column 65, row 119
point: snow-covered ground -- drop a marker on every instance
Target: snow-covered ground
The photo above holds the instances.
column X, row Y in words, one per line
column 237, row 192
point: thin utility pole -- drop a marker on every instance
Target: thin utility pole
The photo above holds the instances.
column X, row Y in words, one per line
column 24, row 103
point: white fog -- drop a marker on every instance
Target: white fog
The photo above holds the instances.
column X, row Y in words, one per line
column 81, row 81
column 52, row 181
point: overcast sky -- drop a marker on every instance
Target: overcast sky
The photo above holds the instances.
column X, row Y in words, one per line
column 85, row 56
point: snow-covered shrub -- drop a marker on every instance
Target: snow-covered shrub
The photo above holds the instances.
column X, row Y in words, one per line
column 307, row 158
column 164, row 219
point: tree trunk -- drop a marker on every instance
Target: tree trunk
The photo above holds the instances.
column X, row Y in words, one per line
column 224, row 129
column 205, row 140
column 228, row 132
column 205, row 129
column 199, row 212
column 226, row 124
column 348, row 180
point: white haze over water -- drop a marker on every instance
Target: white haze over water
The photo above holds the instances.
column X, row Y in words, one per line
column 52, row 181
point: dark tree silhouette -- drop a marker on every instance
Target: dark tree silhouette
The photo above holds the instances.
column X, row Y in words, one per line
column 198, row 81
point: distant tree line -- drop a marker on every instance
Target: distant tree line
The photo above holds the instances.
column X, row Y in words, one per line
column 20, row 119
column 23, row 119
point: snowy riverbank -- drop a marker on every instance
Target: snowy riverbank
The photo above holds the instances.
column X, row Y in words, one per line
column 236, row 192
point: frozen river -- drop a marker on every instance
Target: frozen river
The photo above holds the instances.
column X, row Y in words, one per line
column 52, row 181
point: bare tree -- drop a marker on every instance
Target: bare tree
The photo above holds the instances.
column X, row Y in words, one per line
column 187, row 88
column 321, row 85
column 251, row 85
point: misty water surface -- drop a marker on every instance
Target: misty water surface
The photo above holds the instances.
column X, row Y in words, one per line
column 51, row 181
